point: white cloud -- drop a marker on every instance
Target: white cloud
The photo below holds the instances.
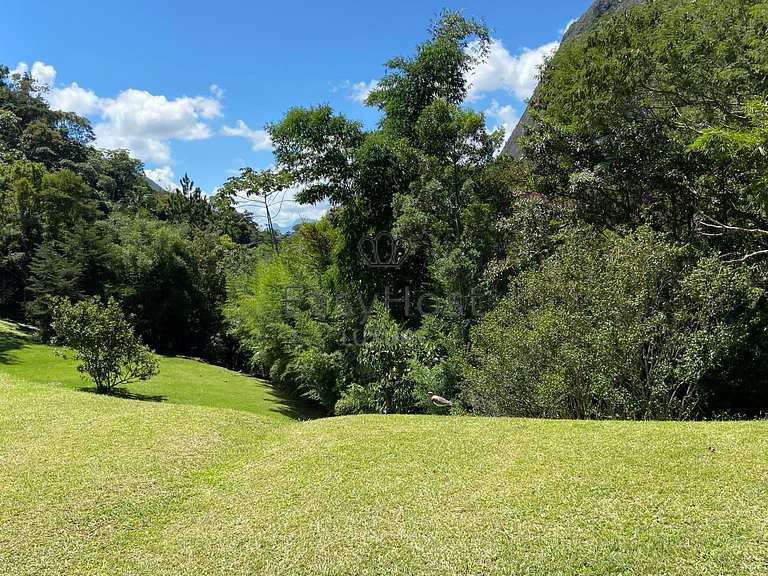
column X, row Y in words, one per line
column 357, row 91
column 138, row 111
column 163, row 176
column 217, row 91
column 360, row 90
column 43, row 73
column 73, row 98
column 517, row 75
column 570, row 23
column 20, row 69
column 259, row 138
column 293, row 211
column 505, row 116
column 146, row 123
column 142, row 122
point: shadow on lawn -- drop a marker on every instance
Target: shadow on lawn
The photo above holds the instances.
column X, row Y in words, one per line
column 15, row 340
column 290, row 405
column 123, row 393
column 285, row 402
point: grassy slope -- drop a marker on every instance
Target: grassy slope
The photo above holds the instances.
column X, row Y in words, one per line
column 181, row 381
column 99, row 485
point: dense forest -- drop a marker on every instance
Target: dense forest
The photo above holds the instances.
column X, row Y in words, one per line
column 615, row 269
column 76, row 221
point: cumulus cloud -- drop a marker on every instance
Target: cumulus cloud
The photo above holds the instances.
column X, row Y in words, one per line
column 259, row 138
column 145, row 123
column 20, row 69
column 73, row 98
column 142, row 122
column 43, row 73
column 357, row 91
column 516, row 75
column 163, row 176
column 505, row 116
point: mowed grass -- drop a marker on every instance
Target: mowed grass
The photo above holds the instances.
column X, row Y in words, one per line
column 181, row 380
column 97, row 485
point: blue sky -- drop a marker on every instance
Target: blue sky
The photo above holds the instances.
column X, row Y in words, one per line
column 189, row 87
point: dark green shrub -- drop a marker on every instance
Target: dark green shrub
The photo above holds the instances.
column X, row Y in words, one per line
column 104, row 343
column 611, row 327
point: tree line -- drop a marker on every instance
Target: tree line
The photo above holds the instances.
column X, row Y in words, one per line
column 615, row 270
column 77, row 222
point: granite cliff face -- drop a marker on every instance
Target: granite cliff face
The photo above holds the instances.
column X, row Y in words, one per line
column 587, row 22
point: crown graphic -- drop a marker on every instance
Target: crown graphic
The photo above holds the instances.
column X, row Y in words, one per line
column 384, row 250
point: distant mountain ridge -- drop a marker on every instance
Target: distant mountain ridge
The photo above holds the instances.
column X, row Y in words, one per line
column 587, row 22
column 288, row 228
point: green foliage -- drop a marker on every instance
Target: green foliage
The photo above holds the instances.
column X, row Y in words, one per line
column 400, row 369
column 356, row 399
column 40, row 208
column 174, row 286
column 279, row 314
column 66, row 203
column 118, row 177
column 436, row 72
column 420, row 175
column 384, row 354
column 318, row 149
column 30, row 130
column 187, row 205
column 655, row 119
column 104, row 343
column 421, row 167
column 623, row 111
column 612, row 327
column 55, row 272
column 446, row 212
column 76, row 221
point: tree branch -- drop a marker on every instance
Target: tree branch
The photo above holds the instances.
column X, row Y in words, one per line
column 747, row 257
column 710, row 222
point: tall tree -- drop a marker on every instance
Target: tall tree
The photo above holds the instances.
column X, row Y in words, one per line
column 265, row 191
column 189, row 205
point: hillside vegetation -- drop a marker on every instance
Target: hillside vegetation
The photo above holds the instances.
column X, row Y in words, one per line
column 614, row 269
column 609, row 280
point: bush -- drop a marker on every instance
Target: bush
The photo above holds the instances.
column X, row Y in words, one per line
column 400, row 369
column 104, row 343
column 612, row 327
column 356, row 399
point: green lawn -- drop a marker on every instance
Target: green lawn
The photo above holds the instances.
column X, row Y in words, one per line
column 181, row 380
column 96, row 485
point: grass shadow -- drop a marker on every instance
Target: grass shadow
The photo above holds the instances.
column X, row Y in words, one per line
column 13, row 337
column 291, row 405
column 125, row 394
